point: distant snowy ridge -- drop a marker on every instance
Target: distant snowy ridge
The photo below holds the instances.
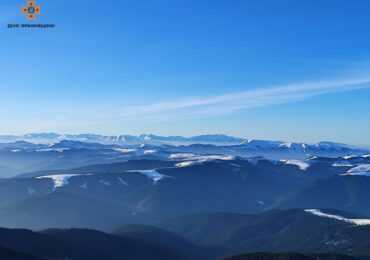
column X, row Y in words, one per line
column 150, row 138
column 121, row 139
column 108, row 149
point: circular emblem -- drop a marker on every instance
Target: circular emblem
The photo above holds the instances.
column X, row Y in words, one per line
column 31, row 10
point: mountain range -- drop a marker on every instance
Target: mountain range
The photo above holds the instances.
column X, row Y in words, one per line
column 217, row 139
column 120, row 139
column 23, row 156
column 103, row 196
column 105, row 200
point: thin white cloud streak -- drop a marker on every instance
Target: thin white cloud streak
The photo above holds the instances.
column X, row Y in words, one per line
column 183, row 109
column 110, row 116
column 229, row 103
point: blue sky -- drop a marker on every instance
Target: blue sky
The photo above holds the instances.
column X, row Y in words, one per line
column 287, row 70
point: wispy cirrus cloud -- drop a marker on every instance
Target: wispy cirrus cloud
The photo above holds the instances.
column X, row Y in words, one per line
column 229, row 103
column 112, row 115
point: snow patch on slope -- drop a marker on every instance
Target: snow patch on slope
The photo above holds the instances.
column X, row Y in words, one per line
column 287, row 145
column 59, row 150
column 124, row 150
column 202, row 159
column 181, row 155
column 343, row 163
column 59, row 180
column 186, row 164
column 152, row 174
column 150, row 151
column 356, row 222
column 301, row 164
column 362, row 170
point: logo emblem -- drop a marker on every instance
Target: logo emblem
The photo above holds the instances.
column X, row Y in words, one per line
column 31, row 10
